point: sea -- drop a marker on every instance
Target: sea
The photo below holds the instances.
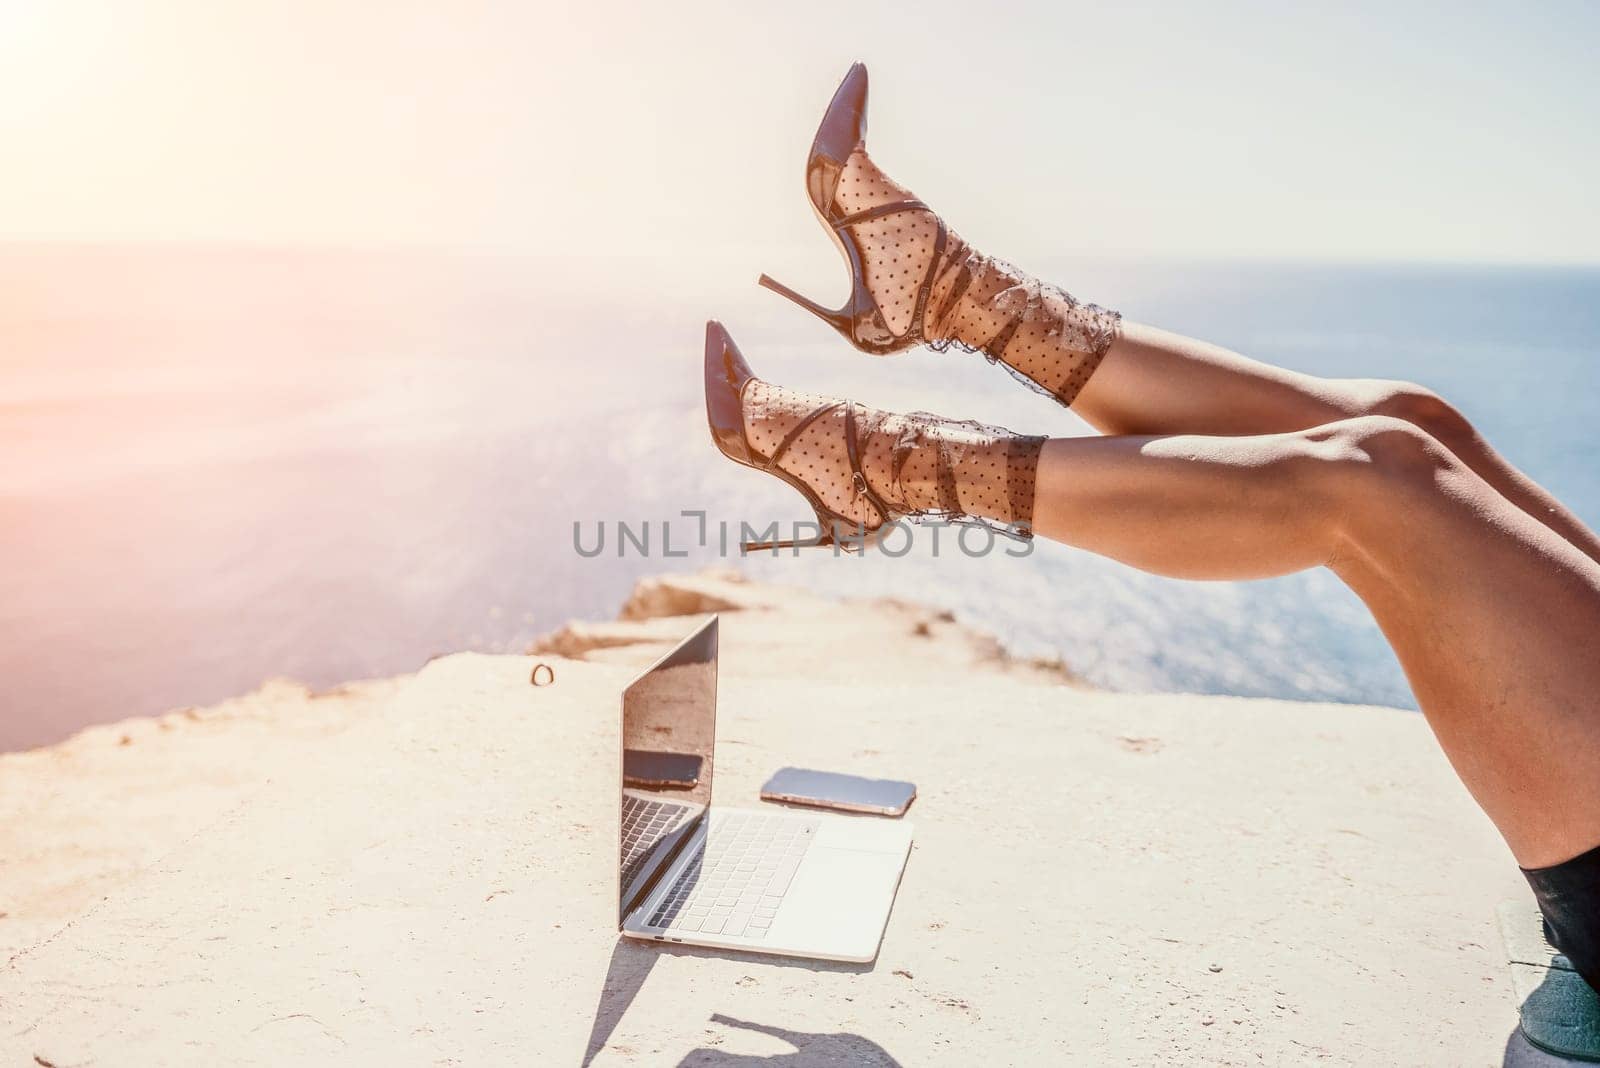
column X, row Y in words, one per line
column 221, row 464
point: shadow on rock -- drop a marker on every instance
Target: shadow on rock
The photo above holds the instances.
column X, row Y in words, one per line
column 630, row 966
column 809, row 1049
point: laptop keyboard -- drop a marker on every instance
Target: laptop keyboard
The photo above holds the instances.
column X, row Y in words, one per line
column 736, row 883
column 644, row 823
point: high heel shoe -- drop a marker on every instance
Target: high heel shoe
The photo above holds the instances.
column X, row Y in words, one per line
column 727, row 377
column 861, row 320
column 914, row 281
column 861, row 469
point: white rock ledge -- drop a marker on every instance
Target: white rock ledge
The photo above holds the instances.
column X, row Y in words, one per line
column 419, row 870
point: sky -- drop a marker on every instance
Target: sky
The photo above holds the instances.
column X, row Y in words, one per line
column 1455, row 132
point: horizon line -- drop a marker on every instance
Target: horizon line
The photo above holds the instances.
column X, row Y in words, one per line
column 526, row 252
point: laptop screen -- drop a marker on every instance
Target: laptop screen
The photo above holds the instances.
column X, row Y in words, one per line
column 669, row 723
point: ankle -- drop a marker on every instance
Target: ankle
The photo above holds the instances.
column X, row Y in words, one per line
column 950, row 317
column 1039, row 332
column 890, row 445
column 933, row 466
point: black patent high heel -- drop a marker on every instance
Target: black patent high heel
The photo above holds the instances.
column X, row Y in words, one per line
column 860, row 320
column 727, row 375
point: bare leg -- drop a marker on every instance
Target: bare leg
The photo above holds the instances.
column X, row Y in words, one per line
column 1155, row 382
column 1491, row 614
column 1123, row 377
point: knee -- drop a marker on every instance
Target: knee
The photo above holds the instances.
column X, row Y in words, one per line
column 1422, row 408
column 1382, row 452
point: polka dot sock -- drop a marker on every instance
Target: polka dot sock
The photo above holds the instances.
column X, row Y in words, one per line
column 919, row 465
column 1039, row 332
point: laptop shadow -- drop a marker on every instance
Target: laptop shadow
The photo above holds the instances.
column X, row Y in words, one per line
column 632, row 962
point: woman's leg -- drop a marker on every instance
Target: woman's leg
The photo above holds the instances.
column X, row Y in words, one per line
column 1492, row 615
column 1124, row 378
column 1155, row 382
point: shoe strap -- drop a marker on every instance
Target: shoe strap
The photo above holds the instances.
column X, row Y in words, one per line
column 854, row 452
column 995, row 347
column 945, row 477
column 957, row 290
column 799, row 428
column 880, row 211
column 917, row 329
column 940, row 239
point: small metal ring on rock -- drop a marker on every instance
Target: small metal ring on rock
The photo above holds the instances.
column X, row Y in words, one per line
column 549, row 674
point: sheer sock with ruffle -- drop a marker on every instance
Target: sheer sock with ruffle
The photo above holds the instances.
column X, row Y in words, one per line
column 1039, row 332
column 920, row 466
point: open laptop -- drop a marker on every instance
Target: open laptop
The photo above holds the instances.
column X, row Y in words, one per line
column 767, row 879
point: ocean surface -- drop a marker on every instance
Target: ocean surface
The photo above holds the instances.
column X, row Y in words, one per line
column 220, row 465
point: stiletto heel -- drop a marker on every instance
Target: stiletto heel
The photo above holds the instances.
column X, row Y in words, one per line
column 839, row 319
column 845, row 535
column 820, row 542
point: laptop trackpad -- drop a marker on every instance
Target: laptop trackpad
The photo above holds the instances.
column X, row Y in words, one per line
column 871, row 834
column 838, row 903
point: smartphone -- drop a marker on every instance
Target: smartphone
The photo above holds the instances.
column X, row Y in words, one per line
column 651, row 769
column 847, row 793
